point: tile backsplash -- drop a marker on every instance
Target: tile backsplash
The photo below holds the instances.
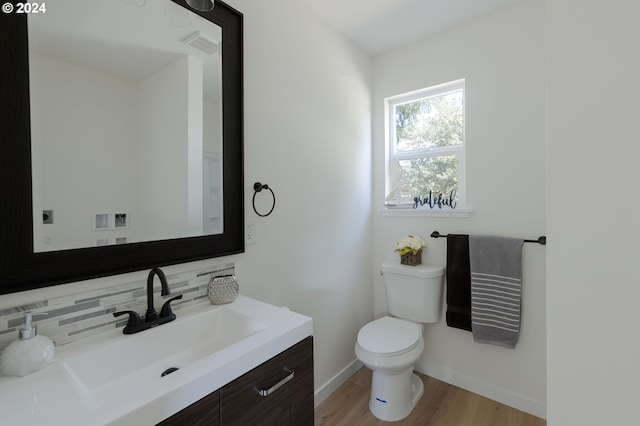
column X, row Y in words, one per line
column 69, row 318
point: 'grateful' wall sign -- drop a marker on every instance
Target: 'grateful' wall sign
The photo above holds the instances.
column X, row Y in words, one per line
column 439, row 200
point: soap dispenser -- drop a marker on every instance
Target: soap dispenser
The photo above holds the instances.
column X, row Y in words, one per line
column 28, row 354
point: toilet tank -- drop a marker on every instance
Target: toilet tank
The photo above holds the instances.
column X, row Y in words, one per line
column 414, row 292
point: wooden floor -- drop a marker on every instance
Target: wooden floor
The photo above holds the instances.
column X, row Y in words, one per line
column 441, row 405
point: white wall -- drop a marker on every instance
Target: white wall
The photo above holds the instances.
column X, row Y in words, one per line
column 502, row 58
column 593, row 275
column 308, row 136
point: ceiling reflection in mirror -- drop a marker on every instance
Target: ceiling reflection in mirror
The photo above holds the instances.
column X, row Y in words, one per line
column 126, row 123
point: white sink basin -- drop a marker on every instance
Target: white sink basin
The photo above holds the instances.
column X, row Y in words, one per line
column 144, row 356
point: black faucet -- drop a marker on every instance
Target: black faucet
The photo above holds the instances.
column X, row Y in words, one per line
column 151, row 319
column 151, row 312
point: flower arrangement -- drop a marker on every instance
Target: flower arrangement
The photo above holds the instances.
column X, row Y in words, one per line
column 410, row 250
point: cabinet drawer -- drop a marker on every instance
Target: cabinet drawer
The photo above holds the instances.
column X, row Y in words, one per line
column 286, row 385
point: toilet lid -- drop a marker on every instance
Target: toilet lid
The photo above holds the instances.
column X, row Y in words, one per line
column 388, row 335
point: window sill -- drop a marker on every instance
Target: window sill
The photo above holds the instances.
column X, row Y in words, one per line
column 422, row 212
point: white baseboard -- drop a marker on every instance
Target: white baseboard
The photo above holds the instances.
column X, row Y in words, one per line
column 488, row 390
column 335, row 382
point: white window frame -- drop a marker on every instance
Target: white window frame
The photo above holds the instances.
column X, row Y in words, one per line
column 392, row 157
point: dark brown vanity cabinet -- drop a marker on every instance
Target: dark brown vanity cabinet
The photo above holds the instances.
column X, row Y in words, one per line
column 277, row 392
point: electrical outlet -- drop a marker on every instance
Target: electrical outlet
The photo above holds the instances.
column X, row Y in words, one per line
column 250, row 233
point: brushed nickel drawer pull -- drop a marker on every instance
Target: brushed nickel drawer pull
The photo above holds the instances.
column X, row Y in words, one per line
column 272, row 389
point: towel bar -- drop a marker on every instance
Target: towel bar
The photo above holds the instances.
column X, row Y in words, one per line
column 541, row 240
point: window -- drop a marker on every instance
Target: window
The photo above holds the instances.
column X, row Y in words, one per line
column 425, row 148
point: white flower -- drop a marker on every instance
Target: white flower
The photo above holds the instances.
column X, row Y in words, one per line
column 411, row 243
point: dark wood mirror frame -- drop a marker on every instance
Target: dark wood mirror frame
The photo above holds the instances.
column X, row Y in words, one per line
column 20, row 268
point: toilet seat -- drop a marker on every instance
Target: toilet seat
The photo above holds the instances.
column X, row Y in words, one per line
column 389, row 336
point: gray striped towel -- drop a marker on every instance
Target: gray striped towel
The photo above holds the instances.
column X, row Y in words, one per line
column 496, row 289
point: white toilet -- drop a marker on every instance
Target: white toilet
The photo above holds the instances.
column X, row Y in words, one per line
column 390, row 346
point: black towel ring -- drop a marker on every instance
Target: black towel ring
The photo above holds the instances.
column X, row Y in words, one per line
column 257, row 187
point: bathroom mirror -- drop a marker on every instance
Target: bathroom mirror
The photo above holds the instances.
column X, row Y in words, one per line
column 147, row 135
